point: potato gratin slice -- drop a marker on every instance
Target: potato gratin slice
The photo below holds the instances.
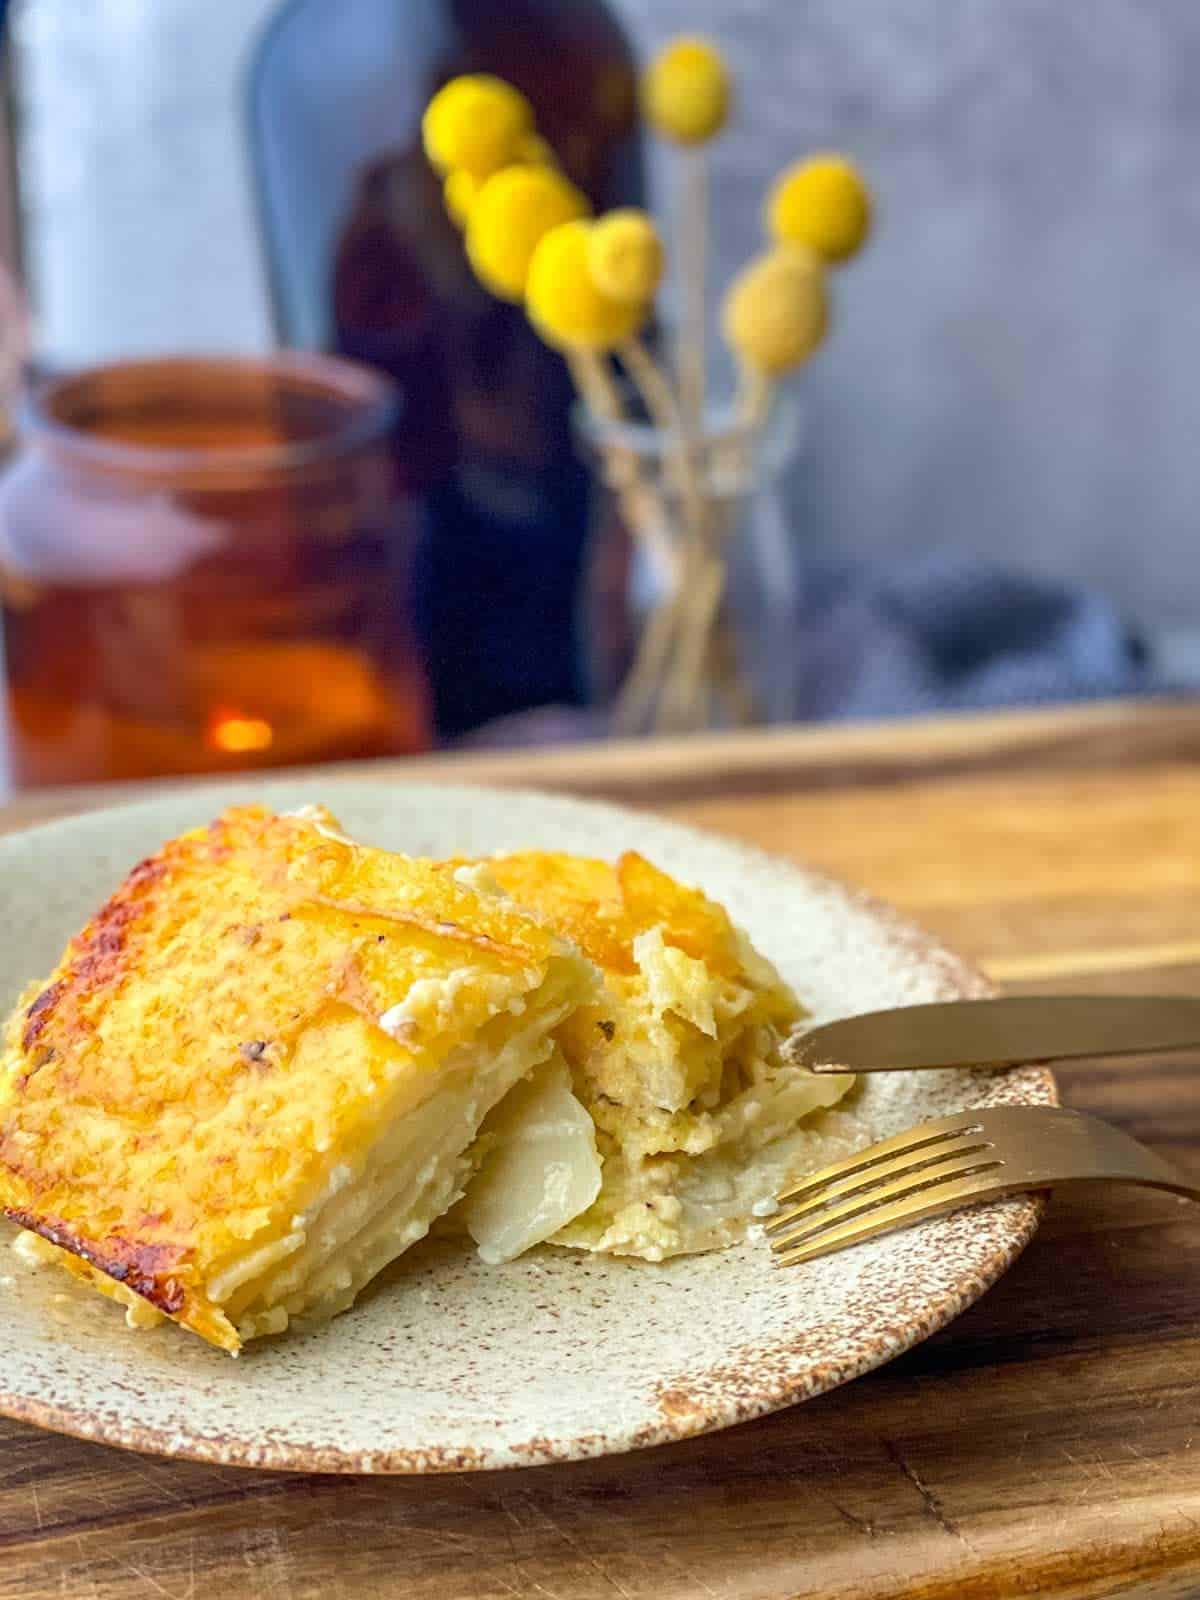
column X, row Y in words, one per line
column 698, row 1119
column 255, row 1077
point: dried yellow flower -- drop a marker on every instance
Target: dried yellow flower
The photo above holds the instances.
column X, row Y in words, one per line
column 823, row 203
column 625, row 256
column 509, row 216
column 776, row 312
column 563, row 301
column 534, row 151
column 476, row 123
column 460, row 190
column 685, row 91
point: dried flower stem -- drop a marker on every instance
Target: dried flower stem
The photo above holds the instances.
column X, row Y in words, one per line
column 709, row 667
column 635, row 702
column 687, row 610
column 594, row 382
column 679, row 618
column 754, row 394
column 683, row 693
column 752, row 407
column 643, row 510
column 731, row 685
column 655, row 389
column 692, row 663
column 685, row 658
column 691, row 357
column 647, row 520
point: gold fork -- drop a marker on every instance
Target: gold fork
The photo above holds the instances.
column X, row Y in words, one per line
column 956, row 1161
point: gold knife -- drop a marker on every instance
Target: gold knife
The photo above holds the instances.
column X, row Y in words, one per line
column 1000, row 1033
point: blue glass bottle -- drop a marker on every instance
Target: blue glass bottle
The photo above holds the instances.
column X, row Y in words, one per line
column 363, row 260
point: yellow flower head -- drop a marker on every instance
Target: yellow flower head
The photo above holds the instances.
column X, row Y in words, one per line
column 562, row 299
column 459, row 190
column 822, row 203
column 775, row 313
column 475, row 123
column 533, row 151
column 508, row 217
column 625, row 256
column 685, row 91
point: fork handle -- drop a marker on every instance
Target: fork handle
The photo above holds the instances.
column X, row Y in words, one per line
column 1051, row 1146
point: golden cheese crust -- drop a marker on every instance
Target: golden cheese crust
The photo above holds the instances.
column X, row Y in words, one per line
column 209, row 1046
column 603, row 907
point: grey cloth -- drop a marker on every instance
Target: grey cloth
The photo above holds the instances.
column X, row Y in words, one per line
column 940, row 634
column 947, row 634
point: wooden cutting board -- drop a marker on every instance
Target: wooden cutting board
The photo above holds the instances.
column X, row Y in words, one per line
column 1047, row 1444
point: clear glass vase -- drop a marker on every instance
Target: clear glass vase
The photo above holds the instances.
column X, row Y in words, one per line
column 690, row 605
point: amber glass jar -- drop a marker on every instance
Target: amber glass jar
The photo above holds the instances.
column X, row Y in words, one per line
column 204, row 567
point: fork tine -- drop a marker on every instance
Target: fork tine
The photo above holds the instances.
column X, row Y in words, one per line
column 907, row 1186
column 921, row 1137
column 887, row 1176
column 931, row 1200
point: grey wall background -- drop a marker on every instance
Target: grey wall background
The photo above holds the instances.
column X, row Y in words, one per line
column 1016, row 365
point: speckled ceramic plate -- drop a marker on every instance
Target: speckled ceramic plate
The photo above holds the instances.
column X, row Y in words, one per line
column 449, row 1365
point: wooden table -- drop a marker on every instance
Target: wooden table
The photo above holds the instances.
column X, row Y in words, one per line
column 1047, row 1444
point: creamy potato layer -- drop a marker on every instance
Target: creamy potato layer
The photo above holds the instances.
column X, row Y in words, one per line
column 697, row 1118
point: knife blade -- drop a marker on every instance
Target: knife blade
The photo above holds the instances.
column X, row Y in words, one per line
column 1000, row 1032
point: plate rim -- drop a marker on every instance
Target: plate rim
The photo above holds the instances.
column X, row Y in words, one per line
column 1015, row 1220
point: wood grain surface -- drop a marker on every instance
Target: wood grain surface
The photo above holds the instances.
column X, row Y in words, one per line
column 1046, row 1444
